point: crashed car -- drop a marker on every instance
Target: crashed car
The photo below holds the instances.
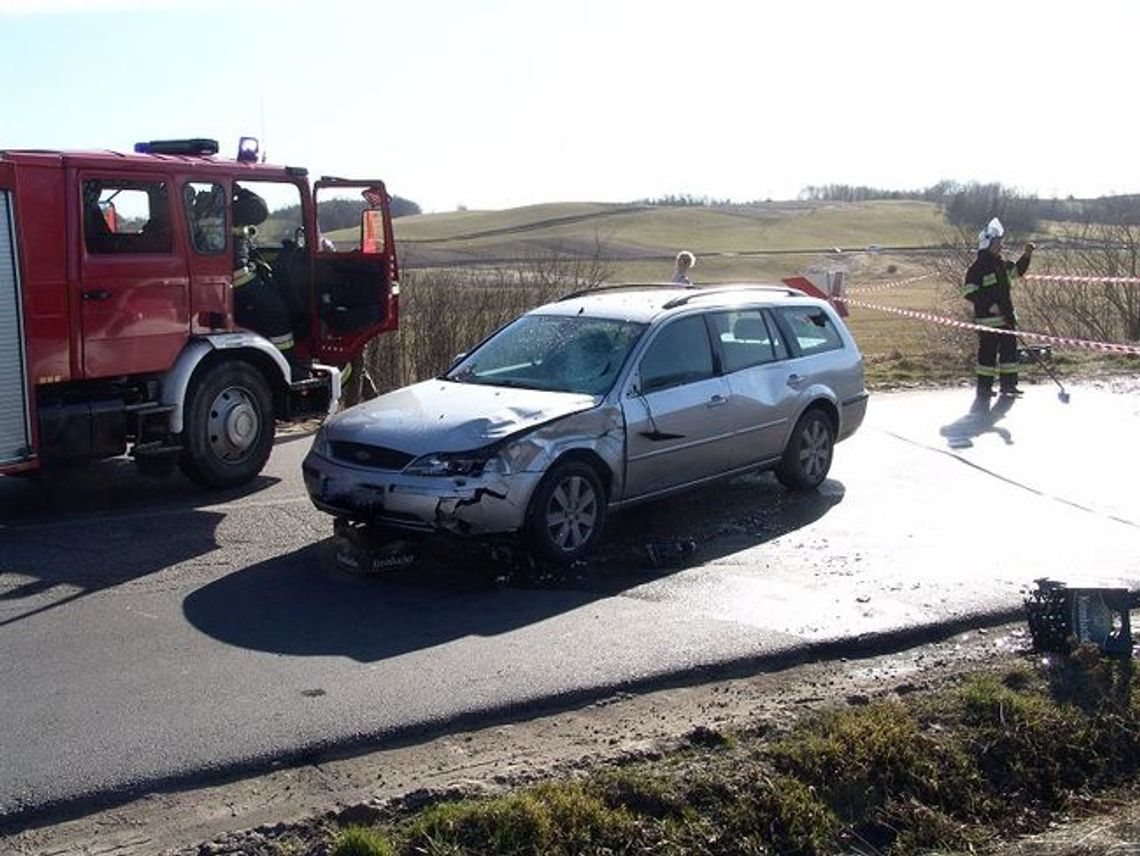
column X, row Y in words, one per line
column 603, row 399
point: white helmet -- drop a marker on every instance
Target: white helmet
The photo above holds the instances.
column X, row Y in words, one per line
column 994, row 229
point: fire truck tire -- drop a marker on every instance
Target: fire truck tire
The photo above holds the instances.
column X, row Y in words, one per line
column 228, row 425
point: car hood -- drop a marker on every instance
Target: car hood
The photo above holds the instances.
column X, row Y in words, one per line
column 444, row 416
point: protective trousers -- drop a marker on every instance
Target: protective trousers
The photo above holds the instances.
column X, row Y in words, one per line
column 259, row 307
column 997, row 357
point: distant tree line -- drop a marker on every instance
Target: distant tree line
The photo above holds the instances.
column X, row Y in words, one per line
column 854, row 193
column 1121, row 210
column 333, row 214
column 972, row 205
column 966, row 205
column 685, row 200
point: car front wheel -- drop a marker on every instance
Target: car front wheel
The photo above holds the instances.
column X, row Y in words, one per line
column 807, row 458
column 567, row 513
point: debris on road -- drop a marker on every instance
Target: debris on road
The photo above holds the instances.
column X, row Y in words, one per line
column 1062, row 617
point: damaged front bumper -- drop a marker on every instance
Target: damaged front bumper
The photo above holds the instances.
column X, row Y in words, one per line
column 488, row 505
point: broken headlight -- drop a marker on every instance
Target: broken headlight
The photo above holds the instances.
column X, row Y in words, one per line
column 321, row 443
column 458, row 464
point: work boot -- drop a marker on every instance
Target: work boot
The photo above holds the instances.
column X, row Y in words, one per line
column 985, row 387
column 1009, row 387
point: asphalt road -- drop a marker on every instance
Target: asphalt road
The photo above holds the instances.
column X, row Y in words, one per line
column 153, row 636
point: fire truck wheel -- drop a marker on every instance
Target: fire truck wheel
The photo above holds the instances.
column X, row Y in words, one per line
column 228, row 428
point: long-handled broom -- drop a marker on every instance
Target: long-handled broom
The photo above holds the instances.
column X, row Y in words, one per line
column 1062, row 395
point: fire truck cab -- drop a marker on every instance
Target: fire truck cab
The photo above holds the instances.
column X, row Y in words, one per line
column 117, row 295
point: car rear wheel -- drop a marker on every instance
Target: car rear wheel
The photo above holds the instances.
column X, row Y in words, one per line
column 567, row 513
column 807, row 457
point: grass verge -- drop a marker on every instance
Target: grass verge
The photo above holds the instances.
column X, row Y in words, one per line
column 992, row 757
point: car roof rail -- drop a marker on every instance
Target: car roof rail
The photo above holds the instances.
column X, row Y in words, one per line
column 619, row 286
column 730, row 289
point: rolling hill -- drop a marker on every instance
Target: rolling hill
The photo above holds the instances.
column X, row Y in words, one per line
column 640, row 241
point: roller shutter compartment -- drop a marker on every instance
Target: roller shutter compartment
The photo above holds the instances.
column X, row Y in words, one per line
column 15, row 439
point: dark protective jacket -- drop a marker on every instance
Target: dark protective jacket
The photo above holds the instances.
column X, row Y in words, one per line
column 988, row 284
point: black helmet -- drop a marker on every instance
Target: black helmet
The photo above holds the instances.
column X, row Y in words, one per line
column 249, row 208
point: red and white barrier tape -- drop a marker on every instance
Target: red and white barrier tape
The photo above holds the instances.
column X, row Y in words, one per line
column 1032, row 277
column 1059, row 277
column 887, row 286
column 1108, row 347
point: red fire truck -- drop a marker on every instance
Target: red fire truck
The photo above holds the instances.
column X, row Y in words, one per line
column 117, row 296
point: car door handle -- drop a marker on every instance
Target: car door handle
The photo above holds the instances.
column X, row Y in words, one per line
column 97, row 295
column 797, row 382
column 717, row 401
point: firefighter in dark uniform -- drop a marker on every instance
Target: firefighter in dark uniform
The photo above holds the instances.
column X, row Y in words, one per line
column 988, row 284
column 258, row 305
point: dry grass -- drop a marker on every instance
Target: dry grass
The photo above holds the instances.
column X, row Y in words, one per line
column 446, row 311
column 632, row 233
column 772, row 226
column 502, row 263
column 952, row 770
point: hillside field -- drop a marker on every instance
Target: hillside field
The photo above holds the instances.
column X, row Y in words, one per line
column 873, row 242
column 762, row 243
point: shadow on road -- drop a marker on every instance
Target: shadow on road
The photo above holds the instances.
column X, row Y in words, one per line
column 302, row 604
column 114, row 486
column 79, row 531
column 52, row 566
column 982, row 418
column 299, row 605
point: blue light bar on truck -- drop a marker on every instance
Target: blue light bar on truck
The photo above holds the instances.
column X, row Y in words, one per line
column 178, row 147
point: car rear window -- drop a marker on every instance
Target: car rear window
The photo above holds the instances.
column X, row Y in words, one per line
column 747, row 339
column 812, row 328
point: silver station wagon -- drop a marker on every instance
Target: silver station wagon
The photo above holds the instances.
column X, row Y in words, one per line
column 603, row 399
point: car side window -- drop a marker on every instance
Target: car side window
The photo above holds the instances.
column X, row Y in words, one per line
column 812, row 328
column 680, row 353
column 747, row 338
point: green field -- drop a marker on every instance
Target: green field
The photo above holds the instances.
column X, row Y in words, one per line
column 761, row 243
column 639, row 242
column 872, row 242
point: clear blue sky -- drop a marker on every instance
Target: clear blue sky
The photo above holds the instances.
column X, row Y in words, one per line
column 496, row 103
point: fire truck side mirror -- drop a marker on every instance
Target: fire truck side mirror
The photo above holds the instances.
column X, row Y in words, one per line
column 372, row 230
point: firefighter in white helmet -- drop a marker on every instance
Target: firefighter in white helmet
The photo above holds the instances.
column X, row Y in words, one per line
column 988, row 285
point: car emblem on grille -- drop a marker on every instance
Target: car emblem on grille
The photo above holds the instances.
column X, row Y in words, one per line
column 362, row 455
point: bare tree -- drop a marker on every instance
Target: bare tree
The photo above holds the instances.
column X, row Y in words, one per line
column 1096, row 310
column 1104, row 311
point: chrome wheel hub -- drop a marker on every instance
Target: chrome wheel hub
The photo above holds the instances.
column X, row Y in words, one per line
column 572, row 513
column 815, row 449
column 234, row 424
